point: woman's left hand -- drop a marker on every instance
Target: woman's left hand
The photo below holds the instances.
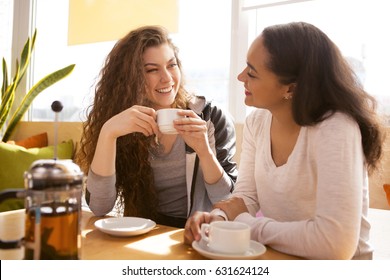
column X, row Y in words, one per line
column 233, row 207
column 193, row 130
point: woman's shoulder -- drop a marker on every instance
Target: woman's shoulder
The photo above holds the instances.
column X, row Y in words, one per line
column 257, row 116
column 257, row 121
column 197, row 103
column 337, row 124
column 339, row 120
column 209, row 109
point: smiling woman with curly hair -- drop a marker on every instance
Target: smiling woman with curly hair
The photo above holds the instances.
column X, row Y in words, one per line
column 129, row 162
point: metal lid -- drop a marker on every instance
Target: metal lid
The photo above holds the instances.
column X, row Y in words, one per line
column 51, row 173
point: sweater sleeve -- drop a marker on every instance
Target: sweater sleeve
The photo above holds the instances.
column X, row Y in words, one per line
column 225, row 143
column 222, row 137
column 246, row 183
column 101, row 193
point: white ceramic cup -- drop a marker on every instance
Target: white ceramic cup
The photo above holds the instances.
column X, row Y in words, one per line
column 226, row 237
column 165, row 118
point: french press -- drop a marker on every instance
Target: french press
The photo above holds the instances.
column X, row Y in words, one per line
column 52, row 196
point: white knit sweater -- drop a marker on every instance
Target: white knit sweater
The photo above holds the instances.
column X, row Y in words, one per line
column 315, row 205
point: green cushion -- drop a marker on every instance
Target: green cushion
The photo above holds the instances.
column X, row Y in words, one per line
column 15, row 160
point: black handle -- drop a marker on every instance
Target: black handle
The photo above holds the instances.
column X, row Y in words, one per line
column 7, row 194
column 14, row 244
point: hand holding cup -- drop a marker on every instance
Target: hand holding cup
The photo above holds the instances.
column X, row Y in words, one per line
column 165, row 118
column 226, row 237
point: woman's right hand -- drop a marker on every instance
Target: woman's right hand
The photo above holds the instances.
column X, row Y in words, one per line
column 134, row 119
column 193, row 224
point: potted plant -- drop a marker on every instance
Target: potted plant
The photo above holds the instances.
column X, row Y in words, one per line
column 8, row 121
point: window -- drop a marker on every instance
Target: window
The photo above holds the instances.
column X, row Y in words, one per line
column 213, row 38
column 203, row 41
column 6, row 7
column 357, row 27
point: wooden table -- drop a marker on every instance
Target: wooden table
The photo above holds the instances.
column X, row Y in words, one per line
column 162, row 242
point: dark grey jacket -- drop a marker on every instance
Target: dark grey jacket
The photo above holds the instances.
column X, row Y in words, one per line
column 222, row 140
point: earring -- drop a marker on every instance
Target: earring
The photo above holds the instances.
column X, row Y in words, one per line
column 287, row 97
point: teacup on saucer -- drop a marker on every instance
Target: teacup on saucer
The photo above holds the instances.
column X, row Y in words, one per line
column 226, row 237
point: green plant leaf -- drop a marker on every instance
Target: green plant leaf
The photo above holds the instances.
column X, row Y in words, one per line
column 9, row 91
column 26, row 56
column 5, row 110
column 5, row 78
column 34, row 91
column 8, row 99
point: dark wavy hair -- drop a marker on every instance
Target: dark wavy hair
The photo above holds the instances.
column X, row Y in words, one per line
column 121, row 85
column 325, row 83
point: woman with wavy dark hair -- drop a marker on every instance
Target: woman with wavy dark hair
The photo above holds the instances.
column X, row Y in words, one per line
column 307, row 149
column 129, row 162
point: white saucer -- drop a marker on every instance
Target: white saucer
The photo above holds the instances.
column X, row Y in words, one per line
column 255, row 250
column 125, row 226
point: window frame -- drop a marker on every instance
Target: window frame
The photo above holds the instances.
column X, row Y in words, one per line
column 241, row 30
column 24, row 26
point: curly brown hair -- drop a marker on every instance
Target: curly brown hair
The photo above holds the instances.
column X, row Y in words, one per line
column 121, row 85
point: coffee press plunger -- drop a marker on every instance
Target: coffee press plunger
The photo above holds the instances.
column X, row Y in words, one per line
column 52, row 195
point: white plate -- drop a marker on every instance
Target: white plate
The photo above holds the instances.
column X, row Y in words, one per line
column 255, row 250
column 125, row 226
